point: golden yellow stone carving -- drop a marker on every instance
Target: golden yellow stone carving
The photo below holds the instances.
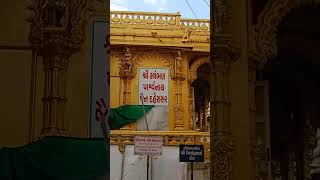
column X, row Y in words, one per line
column 195, row 65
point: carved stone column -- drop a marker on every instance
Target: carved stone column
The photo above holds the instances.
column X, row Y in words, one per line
column 222, row 56
column 206, row 106
column 310, row 143
column 178, row 78
column 191, row 108
column 292, row 166
column 252, row 119
column 127, row 71
column 54, row 100
column 56, row 32
column 221, row 140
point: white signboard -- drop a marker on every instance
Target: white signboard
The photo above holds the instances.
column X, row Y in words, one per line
column 148, row 145
column 100, row 80
column 154, row 86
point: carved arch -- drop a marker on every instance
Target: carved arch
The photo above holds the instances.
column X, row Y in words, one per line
column 265, row 32
column 195, row 65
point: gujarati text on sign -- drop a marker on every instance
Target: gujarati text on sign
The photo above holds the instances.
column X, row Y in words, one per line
column 148, row 145
column 191, row 153
column 153, row 86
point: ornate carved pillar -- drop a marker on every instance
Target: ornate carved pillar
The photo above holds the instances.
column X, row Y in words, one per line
column 56, row 33
column 191, row 108
column 178, row 78
column 221, row 140
column 254, row 147
column 128, row 63
column 291, row 166
column 54, row 99
column 127, row 71
column 206, row 105
column 221, row 58
column 310, row 143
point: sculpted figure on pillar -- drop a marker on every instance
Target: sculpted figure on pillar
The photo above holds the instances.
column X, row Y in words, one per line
column 186, row 35
column 53, row 12
column 128, row 63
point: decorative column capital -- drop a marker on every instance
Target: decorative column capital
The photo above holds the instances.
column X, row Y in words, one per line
column 178, row 75
column 224, row 49
column 58, row 26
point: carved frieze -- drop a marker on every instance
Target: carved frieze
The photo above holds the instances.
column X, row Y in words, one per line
column 265, row 31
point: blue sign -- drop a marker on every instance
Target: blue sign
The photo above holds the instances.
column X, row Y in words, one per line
column 191, row 153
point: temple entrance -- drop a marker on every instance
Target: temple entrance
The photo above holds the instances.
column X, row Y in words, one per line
column 200, row 92
column 293, row 94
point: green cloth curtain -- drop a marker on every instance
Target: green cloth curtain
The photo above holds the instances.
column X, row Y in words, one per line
column 55, row 158
column 126, row 114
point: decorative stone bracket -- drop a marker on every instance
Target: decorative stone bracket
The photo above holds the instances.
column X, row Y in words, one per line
column 265, row 31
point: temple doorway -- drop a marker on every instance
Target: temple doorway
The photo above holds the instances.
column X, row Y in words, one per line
column 200, row 92
column 293, row 85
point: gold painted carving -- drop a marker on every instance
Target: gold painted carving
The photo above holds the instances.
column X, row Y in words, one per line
column 164, row 20
column 128, row 63
column 178, row 77
column 178, row 109
column 168, row 61
column 178, row 68
column 195, row 65
column 186, row 35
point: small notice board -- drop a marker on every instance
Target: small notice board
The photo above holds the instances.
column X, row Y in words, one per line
column 148, row 145
column 191, row 153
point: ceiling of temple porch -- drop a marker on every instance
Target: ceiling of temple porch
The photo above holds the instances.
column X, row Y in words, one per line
column 294, row 79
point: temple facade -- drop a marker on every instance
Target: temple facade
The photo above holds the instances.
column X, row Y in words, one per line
column 157, row 41
column 162, row 40
column 256, row 113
